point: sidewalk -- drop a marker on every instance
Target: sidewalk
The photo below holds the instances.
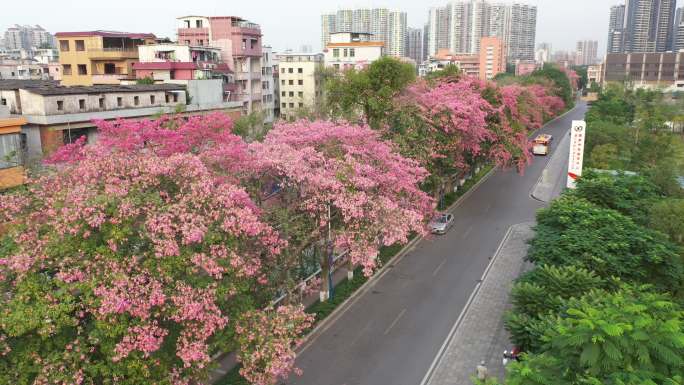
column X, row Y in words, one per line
column 481, row 336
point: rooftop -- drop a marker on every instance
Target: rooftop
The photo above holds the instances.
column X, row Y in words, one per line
column 107, row 34
column 50, row 88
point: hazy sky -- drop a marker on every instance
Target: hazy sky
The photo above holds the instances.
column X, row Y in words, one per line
column 286, row 23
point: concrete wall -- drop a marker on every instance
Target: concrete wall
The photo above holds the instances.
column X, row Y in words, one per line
column 363, row 56
column 206, row 92
column 34, row 104
column 10, row 97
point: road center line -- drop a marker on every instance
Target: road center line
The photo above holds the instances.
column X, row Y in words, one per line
column 468, row 231
column 434, row 273
column 394, row 322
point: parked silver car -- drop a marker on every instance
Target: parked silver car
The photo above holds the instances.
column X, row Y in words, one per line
column 441, row 223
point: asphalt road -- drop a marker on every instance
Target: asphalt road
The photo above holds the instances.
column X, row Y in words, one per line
column 393, row 331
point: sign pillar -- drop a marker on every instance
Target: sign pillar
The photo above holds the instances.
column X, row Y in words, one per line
column 576, row 159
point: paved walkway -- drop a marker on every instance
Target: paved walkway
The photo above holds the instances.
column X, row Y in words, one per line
column 480, row 334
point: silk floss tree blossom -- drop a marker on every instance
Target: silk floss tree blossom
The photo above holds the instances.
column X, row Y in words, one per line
column 349, row 186
column 136, row 267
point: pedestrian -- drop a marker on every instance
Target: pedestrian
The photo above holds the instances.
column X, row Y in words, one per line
column 482, row 371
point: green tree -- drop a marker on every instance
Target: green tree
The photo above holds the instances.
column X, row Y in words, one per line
column 369, row 93
column 449, row 71
column 145, row 80
column 667, row 216
column 573, row 231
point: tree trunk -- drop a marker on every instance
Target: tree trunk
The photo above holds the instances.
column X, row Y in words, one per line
column 350, row 270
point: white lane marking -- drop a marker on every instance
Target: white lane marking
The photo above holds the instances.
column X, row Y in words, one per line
column 434, row 273
column 468, row 231
column 394, row 322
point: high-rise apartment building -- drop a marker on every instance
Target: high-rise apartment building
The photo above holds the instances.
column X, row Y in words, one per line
column 385, row 25
column 267, row 84
column 586, row 52
column 648, row 25
column 28, row 37
column 543, row 53
column 414, row 44
column 616, row 29
column 461, row 24
column 678, row 31
column 492, row 57
column 241, row 48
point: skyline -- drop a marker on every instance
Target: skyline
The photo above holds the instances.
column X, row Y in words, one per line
column 278, row 24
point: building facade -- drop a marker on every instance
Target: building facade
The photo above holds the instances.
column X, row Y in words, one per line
column 492, row 57
column 460, row 25
column 586, row 52
column 300, row 87
column 11, row 150
column 648, row 25
column 616, row 29
column 27, row 37
column 544, row 53
column 594, row 75
column 662, row 70
column 414, row 45
column 99, row 57
column 240, row 42
column 267, row 84
column 385, row 25
column 348, row 50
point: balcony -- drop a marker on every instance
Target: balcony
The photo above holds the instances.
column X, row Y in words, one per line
column 113, row 53
column 246, row 76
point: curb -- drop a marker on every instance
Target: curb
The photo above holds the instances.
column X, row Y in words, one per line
column 440, row 354
column 325, row 324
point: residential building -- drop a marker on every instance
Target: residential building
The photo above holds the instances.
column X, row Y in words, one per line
column 543, row 53
column 414, row 44
column 648, row 70
column 426, row 41
column 492, row 57
column 648, row 25
column 586, row 53
column 23, row 69
column 468, row 64
column 616, row 29
column 461, row 24
column 594, row 74
column 27, row 37
column 178, row 63
column 438, row 30
column 241, row 48
column 276, row 85
column 300, row 87
column 11, row 150
column 99, row 57
column 348, row 50
column 523, row 68
column 678, row 31
column 267, row 84
column 383, row 24
column 56, row 115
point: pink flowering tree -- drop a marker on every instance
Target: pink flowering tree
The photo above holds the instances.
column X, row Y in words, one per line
column 135, row 268
column 341, row 184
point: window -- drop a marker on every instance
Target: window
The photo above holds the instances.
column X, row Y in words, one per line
column 102, row 102
column 244, row 44
column 82, row 69
column 300, row 82
column 200, row 42
column 10, row 150
column 3, row 101
column 283, row 93
column 300, row 70
column 345, row 52
column 66, row 69
column 282, row 82
column 167, row 97
column 352, row 52
column 80, row 45
column 336, row 52
column 81, row 104
column 109, row 68
column 292, row 94
column 175, row 98
column 301, row 104
column 136, row 100
column 300, row 94
column 291, row 82
column 198, row 23
column 64, row 45
column 291, row 105
column 187, row 42
column 152, row 99
column 119, row 101
column 172, row 74
column 253, row 43
column 282, row 70
column 284, row 105
column 60, row 105
column 187, row 23
column 337, row 67
column 290, row 70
